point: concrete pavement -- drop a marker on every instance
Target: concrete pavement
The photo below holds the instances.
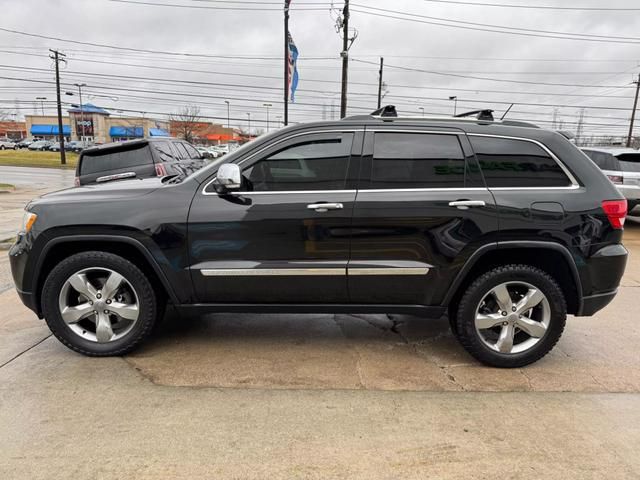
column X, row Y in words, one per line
column 321, row 396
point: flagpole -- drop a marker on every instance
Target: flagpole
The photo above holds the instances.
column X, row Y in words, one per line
column 286, row 62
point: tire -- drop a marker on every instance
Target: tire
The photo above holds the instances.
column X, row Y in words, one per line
column 1, row 147
column 477, row 335
column 79, row 336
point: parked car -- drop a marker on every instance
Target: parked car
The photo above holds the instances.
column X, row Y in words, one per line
column 214, row 152
column 204, row 152
column 137, row 158
column 24, row 143
column 40, row 145
column 55, row 147
column 79, row 145
column 502, row 226
column 622, row 166
column 6, row 143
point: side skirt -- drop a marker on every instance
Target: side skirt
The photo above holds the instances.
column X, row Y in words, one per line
column 204, row 308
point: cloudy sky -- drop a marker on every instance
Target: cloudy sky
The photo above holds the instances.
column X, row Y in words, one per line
column 561, row 61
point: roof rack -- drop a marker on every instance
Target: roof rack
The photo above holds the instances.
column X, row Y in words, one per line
column 389, row 113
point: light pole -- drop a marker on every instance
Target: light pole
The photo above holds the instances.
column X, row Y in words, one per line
column 42, row 99
column 422, row 110
column 267, row 105
column 455, row 104
column 228, row 113
column 249, row 120
column 80, row 85
column 278, row 118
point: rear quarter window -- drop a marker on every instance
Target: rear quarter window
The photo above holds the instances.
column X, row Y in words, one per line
column 97, row 162
column 517, row 163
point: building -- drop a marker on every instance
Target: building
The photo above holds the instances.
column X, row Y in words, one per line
column 13, row 130
column 204, row 133
column 95, row 124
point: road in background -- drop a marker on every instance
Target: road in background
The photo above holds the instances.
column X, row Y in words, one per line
column 37, row 178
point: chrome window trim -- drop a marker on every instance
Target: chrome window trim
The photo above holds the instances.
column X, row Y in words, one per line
column 289, row 192
column 439, row 189
column 574, row 183
column 266, row 147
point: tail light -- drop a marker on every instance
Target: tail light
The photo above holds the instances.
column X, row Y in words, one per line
column 76, row 181
column 616, row 179
column 616, row 211
column 160, row 170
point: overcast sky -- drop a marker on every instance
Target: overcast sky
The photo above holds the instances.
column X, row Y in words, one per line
column 593, row 74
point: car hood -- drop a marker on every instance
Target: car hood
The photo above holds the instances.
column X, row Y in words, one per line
column 116, row 190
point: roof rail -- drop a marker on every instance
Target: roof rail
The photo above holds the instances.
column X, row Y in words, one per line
column 485, row 114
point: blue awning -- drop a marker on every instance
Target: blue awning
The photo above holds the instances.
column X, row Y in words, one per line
column 129, row 132
column 158, row 132
column 50, row 130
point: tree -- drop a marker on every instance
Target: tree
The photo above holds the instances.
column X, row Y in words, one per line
column 185, row 121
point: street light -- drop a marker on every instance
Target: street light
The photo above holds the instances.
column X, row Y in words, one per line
column 80, row 85
column 455, row 104
column 228, row 113
column 249, row 119
column 42, row 99
column 267, row 105
column 422, row 110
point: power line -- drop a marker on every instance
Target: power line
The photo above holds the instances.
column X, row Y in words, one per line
column 505, row 30
column 261, row 9
column 537, row 7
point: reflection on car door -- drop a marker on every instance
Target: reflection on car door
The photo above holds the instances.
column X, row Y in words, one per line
column 285, row 236
column 421, row 206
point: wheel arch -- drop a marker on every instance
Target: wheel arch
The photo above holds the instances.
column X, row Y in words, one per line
column 557, row 261
column 133, row 250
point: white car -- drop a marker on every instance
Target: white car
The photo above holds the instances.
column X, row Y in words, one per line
column 6, row 143
column 214, row 152
column 622, row 166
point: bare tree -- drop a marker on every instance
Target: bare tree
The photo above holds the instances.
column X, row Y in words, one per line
column 185, row 121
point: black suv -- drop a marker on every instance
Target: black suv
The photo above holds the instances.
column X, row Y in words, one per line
column 505, row 227
column 149, row 157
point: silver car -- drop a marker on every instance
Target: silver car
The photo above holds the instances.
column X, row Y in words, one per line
column 622, row 166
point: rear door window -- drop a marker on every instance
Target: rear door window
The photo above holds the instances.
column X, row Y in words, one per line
column 192, row 153
column 417, row 160
column 629, row 162
column 165, row 152
column 134, row 156
column 517, row 163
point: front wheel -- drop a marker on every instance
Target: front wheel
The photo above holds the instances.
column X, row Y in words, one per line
column 99, row 304
column 511, row 316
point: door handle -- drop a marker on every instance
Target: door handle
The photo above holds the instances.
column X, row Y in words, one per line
column 465, row 204
column 325, row 207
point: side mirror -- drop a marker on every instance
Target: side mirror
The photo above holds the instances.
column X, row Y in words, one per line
column 229, row 176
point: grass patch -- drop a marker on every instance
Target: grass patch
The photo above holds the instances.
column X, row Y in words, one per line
column 28, row 158
column 6, row 186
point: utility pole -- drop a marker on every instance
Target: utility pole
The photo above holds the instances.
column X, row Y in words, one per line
column 455, row 105
column 345, row 58
column 249, row 119
column 287, row 73
column 633, row 112
column 228, row 113
column 580, row 127
column 59, row 57
column 380, row 83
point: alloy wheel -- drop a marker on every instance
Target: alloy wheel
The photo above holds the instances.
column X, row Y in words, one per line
column 512, row 317
column 99, row 304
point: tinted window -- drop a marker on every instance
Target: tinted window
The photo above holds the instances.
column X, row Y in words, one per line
column 604, row 160
column 95, row 162
column 192, row 153
column 414, row 160
column 629, row 162
column 165, row 153
column 182, row 152
column 311, row 165
column 517, row 163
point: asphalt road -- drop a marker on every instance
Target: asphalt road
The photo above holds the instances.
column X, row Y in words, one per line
column 50, row 178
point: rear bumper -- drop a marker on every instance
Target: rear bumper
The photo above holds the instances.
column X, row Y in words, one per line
column 594, row 303
column 604, row 269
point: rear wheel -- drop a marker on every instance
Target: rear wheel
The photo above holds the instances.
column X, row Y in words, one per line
column 511, row 316
column 99, row 304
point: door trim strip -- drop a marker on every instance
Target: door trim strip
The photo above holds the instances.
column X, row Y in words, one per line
column 259, row 272
column 388, row 271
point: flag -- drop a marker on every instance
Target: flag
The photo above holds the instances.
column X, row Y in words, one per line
column 293, row 68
